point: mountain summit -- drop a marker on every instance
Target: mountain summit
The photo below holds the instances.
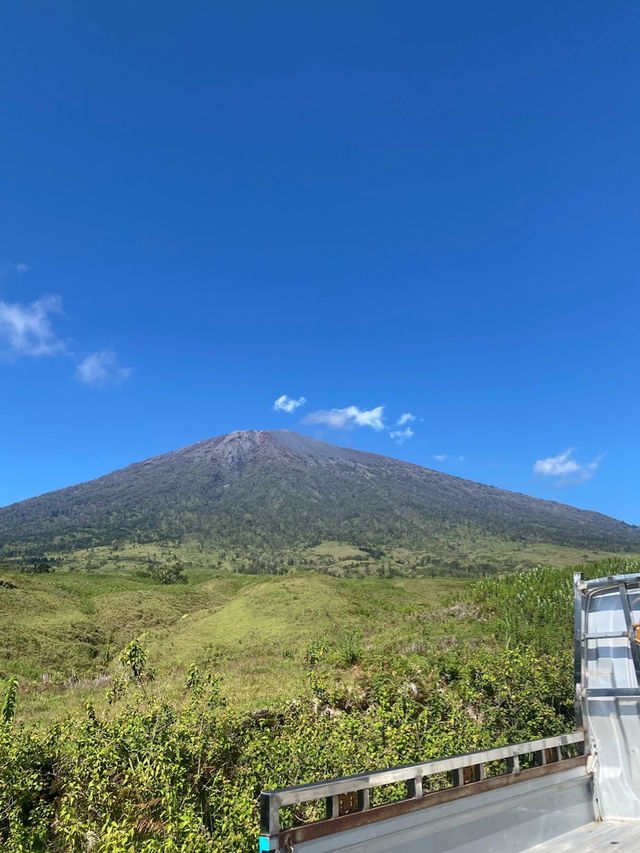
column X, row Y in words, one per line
column 239, row 448
column 272, row 490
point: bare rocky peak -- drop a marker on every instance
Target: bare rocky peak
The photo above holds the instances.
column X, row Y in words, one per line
column 237, row 449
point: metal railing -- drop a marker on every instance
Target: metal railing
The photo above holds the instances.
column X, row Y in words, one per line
column 352, row 794
column 584, row 592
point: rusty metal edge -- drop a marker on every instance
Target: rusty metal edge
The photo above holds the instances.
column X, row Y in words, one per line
column 321, row 828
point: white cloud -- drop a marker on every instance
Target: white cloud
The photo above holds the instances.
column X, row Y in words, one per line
column 101, row 368
column 400, row 435
column 566, row 469
column 26, row 328
column 461, row 458
column 288, row 404
column 348, row 417
column 407, row 418
column 440, row 456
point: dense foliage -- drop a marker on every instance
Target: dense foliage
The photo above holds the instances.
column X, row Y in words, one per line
column 153, row 777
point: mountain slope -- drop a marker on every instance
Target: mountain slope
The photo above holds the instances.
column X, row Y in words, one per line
column 272, row 490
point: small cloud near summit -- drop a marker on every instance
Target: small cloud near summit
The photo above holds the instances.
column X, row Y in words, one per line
column 288, row 404
column 348, row 417
column 401, row 435
column 407, row 418
column 567, row 470
column 102, row 368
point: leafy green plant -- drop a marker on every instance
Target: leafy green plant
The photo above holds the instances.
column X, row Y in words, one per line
column 9, row 702
column 351, row 651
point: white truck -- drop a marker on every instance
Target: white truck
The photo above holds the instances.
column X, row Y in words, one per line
column 577, row 791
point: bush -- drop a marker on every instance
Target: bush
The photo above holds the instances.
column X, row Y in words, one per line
column 167, row 573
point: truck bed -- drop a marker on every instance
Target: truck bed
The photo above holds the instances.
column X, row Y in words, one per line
column 540, row 797
column 619, row 835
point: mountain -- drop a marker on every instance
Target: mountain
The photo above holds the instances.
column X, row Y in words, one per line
column 274, row 490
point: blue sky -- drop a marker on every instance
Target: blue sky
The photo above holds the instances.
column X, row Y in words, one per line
column 386, row 209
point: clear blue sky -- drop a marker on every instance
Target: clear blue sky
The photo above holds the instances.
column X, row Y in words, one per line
column 431, row 207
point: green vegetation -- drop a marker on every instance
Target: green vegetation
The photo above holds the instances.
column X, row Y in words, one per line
column 169, row 752
column 62, row 631
column 267, row 501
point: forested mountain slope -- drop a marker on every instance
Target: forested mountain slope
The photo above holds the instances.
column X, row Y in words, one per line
column 273, row 490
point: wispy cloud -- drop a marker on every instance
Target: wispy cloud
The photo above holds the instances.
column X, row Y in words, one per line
column 566, row 470
column 348, row 417
column 407, row 418
column 26, row 328
column 288, row 404
column 102, row 368
column 401, row 435
column 8, row 268
column 441, row 457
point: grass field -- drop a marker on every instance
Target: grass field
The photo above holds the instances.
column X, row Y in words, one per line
column 62, row 631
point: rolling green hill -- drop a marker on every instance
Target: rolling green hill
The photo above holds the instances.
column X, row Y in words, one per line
column 276, row 491
column 62, row 632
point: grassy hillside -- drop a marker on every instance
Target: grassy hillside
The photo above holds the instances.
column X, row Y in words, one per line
column 64, row 630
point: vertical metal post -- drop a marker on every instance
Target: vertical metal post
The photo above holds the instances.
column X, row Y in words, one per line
column 364, row 799
column 458, row 777
column 578, row 648
column 269, row 821
column 414, row 788
column 333, row 808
